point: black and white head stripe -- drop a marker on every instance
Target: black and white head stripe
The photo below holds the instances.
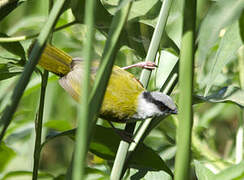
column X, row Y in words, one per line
column 162, row 101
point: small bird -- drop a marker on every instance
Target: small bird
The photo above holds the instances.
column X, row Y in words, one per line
column 125, row 99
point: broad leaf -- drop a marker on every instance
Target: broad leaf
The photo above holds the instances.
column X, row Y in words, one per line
column 13, row 47
column 226, row 94
column 233, row 172
column 92, row 174
column 24, row 174
column 105, row 143
column 241, row 65
column 227, row 51
column 202, row 172
column 6, row 154
column 59, row 125
column 221, row 14
column 150, row 175
column 9, row 70
column 102, row 17
column 138, row 31
column 241, row 25
column 7, row 7
column 143, row 11
column 167, row 66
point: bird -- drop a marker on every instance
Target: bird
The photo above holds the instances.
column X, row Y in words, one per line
column 125, row 99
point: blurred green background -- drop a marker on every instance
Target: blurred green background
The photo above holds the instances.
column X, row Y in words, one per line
column 215, row 124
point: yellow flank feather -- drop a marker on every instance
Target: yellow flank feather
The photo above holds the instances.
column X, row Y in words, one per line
column 120, row 100
column 55, row 60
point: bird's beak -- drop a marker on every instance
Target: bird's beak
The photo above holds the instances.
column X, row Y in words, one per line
column 175, row 111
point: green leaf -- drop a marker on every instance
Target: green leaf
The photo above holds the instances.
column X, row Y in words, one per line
column 241, row 65
column 175, row 22
column 34, row 23
column 141, row 11
column 138, row 31
column 221, row 14
column 146, row 158
column 227, row 51
column 106, row 147
column 59, row 125
column 92, row 174
column 202, row 172
column 105, row 143
column 102, row 17
column 241, row 25
column 6, row 154
column 150, row 175
column 225, row 94
column 20, row 174
column 9, row 70
column 13, row 47
column 78, row 10
column 6, row 60
column 166, row 67
column 130, row 36
column 233, row 172
column 7, row 7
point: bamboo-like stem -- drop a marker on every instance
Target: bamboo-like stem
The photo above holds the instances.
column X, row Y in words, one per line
column 38, row 125
column 30, row 66
column 145, row 128
column 145, row 76
column 106, row 65
column 108, row 57
column 23, row 38
column 144, row 79
column 156, row 38
column 183, row 155
column 119, row 160
column 240, row 133
column 39, row 118
column 82, row 133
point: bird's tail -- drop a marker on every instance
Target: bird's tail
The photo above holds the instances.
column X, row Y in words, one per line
column 55, row 60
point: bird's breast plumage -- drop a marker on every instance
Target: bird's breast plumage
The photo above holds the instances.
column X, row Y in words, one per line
column 121, row 96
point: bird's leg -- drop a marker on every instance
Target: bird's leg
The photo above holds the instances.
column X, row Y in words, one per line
column 145, row 65
column 123, row 134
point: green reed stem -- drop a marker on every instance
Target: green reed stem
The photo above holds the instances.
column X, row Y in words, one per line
column 38, row 125
column 183, row 155
column 144, row 79
column 82, row 133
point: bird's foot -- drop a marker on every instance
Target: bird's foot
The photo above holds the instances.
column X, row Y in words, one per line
column 145, row 65
column 124, row 135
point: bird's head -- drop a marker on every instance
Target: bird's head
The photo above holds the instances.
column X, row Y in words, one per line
column 151, row 104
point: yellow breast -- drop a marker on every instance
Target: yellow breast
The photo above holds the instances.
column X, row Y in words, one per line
column 120, row 100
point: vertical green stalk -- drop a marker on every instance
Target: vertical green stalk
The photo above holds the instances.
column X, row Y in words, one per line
column 156, row 38
column 122, row 153
column 84, row 109
column 108, row 56
column 38, row 125
column 39, row 117
column 183, row 155
column 152, row 51
column 240, row 133
column 30, row 66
